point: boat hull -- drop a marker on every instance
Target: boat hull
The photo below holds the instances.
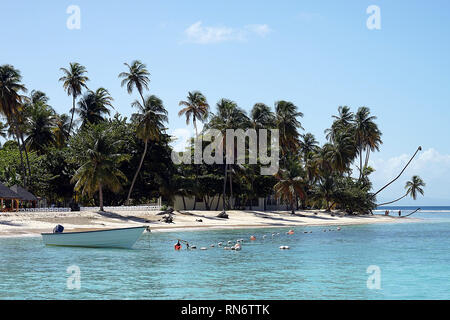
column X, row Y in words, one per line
column 111, row 238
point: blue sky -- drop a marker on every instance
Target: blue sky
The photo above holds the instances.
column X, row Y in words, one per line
column 318, row 54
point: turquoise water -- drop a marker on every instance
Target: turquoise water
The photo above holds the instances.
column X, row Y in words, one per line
column 413, row 258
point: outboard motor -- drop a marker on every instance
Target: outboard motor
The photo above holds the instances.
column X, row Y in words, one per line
column 58, row 229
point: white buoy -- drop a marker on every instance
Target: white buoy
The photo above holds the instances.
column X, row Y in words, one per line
column 203, row 248
column 193, row 247
column 284, row 247
column 219, row 244
column 212, row 246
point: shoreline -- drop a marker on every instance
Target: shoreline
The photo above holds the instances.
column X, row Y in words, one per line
column 32, row 224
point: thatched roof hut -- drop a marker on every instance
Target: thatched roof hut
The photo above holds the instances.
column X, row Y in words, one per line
column 24, row 194
column 8, row 194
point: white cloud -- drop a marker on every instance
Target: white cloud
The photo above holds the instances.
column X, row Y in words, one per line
column 432, row 166
column 197, row 33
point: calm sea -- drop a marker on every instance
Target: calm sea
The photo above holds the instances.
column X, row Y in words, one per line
column 405, row 261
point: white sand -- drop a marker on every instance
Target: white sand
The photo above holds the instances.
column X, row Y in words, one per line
column 34, row 223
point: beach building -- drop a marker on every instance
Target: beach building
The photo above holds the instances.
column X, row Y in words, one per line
column 27, row 199
column 216, row 203
column 9, row 200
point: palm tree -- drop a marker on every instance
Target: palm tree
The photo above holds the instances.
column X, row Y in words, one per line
column 228, row 116
column 262, row 117
column 93, row 106
column 74, row 81
column 149, row 126
column 367, row 135
column 11, row 103
column 288, row 125
column 61, row 130
column 401, row 172
column 413, row 188
column 341, row 152
column 308, row 144
column 136, row 77
column 39, row 127
column 342, row 122
column 196, row 107
column 100, row 166
column 291, row 184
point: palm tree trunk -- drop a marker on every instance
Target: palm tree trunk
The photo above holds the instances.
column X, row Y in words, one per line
column 418, row 149
column 73, row 112
column 224, row 186
column 184, row 202
column 16, row 129
column 360, row 163
column 231, row 189
column 26, row 158
column 382, row 204
column 218, row 201
column 137, row 172
column 100, row 196
column 142, row 97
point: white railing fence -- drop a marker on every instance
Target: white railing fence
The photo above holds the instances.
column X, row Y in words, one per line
column 117, row 208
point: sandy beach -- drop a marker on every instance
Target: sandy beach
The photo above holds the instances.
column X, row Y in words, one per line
column 15, row 224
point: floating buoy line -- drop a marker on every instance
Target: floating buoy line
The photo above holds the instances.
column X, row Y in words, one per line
column 237, row 244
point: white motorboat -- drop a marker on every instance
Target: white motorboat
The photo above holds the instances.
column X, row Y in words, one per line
column 109, row 238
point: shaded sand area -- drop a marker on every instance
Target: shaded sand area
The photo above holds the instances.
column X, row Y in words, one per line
column 34, row 223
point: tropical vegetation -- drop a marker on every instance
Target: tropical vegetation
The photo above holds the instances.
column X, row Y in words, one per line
column 92, row 155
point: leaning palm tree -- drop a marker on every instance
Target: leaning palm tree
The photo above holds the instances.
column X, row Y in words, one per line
column 136, row 77
column 413, row 188
column 100, row 168
column 149, row 126
column 342, row 122
column 74, row 80
column 11, row 104
column 196, row 107
column 93, row 106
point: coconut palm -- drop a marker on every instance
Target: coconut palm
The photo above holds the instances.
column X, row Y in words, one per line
column 342, row 122
column 11, row 103
column 136, row 77
column 262, row 117
column 149, row 126
column 196, row 107
column 288, row 126
column 39, row 127
column 291, row 184
column 93, row 106
column 413, row 188
column 100, row 166
column 308, row 144
column 74, row 80
column 61, row 130
column 367, row 135
column 228, row 116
